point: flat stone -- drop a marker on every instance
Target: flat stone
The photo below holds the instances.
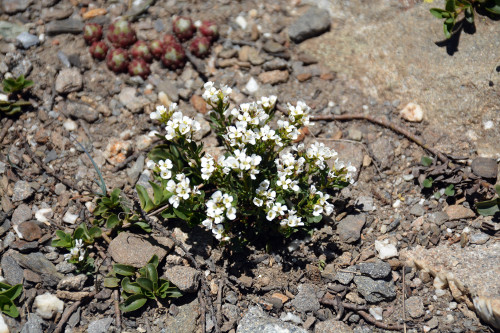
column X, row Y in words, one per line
column 69, row 80
column 135, row 170
column 81, row 111
column 306, row 300
column 332, row 326
column 376, row 270
column 412, row 112
column 485, row 167
column 438, row 218
column 313, row 23
column 27, row 40
column 375, row 291
column 21, row 214
column 383, row 152
column 256, row 320
column 53, row 13
column 72, row 26
column 479, row 238
column 14, row 6
column 276, row 63
column 185, row 320
column 129, row 98
column 415, row 306
column 72, row 282
column 30, row 231
column 472, row 270
column 22, row 191
column 183, row 277
column 130, row 249
column 385, row 249
column 365, row 203
column 417, row 210
column 38, row 264
column 344, row 277
column 456, row 212
column 169, row 89
column 33, row 324
column 117, row 150
column 199, row 104
column 12, row 272
column 271, row 46
column 100, row 325
column 274, row 77
column 349, row 228
column 10, row 30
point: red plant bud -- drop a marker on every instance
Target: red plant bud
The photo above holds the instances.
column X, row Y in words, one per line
column 139, row 67
column 121, row 33
column 210, row 30
column 98, row 50
column 169, row 39
column 157, row 48
column 183, row 28
column 117, row 60
column 92, row 32
column 174, row 56
column 140, row 50
column 200, row 47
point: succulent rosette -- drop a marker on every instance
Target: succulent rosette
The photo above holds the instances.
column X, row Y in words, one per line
column 139, row 67
column 157, row 48
column 209, row 29
column 117, row 60
column 92, row 32
column 121, row 33
column 174, row 56
column 183, row 28
column 140, row 50
column 99, row 50
column 200, row 47
column 169, row 39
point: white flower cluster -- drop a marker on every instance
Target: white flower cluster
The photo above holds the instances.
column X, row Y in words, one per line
column 162, row 113
column 219, row 207
column 207, row 166
column 164, row 167
column 299, row 114
column 264, row 195
column 181, row 126
column 349, row 176
column 288, row 167
column 76, row 252
column 180, row 189
column 319, row 153
column 241, row 163
column 292, row 220
column 322, row 205
column 213, row 95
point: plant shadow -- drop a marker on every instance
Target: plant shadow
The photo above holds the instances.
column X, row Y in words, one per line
column 452, row 43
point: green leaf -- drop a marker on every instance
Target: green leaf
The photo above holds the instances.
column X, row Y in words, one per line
column 450, row 190
column 469, row 15
column 157, row 193
column 124, row 270
column 497, row 189
column 111, row 282
column 437, row 12
column 427, row 183
column 493, row 7
column 144, row 226
column 115, row 195
column 133, row 303
column 166, row 290
column 146, row 202
column 151, row 272
column 130, row 287
column 426, row 161
column 95, row 232
column 314, row 219
column 450, row 5
column 145, row 283
column 8, row 307
column 181, row 213
column 437, row 194
column 489, row 207
column 13, row 292
column 112, row 221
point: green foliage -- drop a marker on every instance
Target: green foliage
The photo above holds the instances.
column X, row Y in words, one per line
column 455, row 8
column 8, row 294
column 138, row 286
column 113, row 211
column 489, row 207
column 13, row 86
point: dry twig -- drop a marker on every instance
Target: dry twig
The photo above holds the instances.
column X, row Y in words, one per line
column 404, row 305
column 116, row 301
column 5, row 129
column 69, row 311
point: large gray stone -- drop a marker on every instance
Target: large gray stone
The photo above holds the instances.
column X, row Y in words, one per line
column 349, row 229
column 22, row 191
column 14, row 6
column 376, row 270
column 314, row 22
column 306, row 300
column 184, row 277
column 256, row 320
column 485, row 167
column 332, row 326
column 12, row 272
column 375, row 291
column 100, row 325
column 69, row 80
column 185, row 320
column 38, row 264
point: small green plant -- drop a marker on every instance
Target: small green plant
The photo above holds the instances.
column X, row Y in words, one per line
column 12, row 87
column 78, row 243
column 139, row 286
column 490, row 207
column 8, row 294
column 455, row 8
column 438, row 187
column 321, row 264
column 114, row 211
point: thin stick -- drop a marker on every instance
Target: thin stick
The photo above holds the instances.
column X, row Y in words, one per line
column 219, row 296
column 5, row 129
column 118, row 317
column 404, row 305
column 384, row 123
column 69, row 311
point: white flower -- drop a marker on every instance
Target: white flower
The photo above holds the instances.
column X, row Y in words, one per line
column 279, row 208
column 150, row 164
column 231, row 213
column 317, row 210
column 174, row 200
column 257, row 202
column 271, row 214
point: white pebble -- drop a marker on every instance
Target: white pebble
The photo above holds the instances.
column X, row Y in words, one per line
column 252, row 85
column 440, row 292
column 383, row 228
column 408, row 177
column 396, row 204
column 69, row 125
column 452, row 305
column 488, row 125
column 412, row 112
column 47, row 305
column 43, row 215
column 242, row 22
column 3, row 326
column 291, row 317
column 385, row 250
column 4, row 98
column 377, row 313
column 70, row 218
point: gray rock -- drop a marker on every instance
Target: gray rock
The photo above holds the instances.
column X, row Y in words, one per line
column 100, row 326
column 14, row 6
column 365, row 203
column 376, row 270
column 81, row 110
column 64, row 59
column 65, row 267
column 256, row 320
column 12, row 272
column 313, row 23
column 375, row 290
column 185, row 320
column 53, row 13
column 231, row 312
column 306, row 300
column 344, row 277
column 5, row 226
column 21, row 213
column 349, row 229
column 23, row 67
column 170, row 89
column 485, row 167
column 27, row 40
column 382, row 151
column 276, row 63
column 33, row 325
column 69, row 80
column 51, row 156
column 438, row 218
column 479, row 238
column 273, row 47
column 129, row 98
column 74, row 319
column 10, row 30
column 72, row 26
column 130, row 249
column 332, row 326
column 417, row 210
column 231, row 297
column 72, row 282
column 22, row 191
column 415, row 306
column 38, row 264
column 184, row 277
column 135, row 170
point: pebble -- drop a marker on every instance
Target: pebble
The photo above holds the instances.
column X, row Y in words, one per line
column 375, row 291
column 415, row 306
column 70, row 125
column 100, row 325
column 313, row 23
column 13, row 273
column 47, row 305
column 274, row 77
column 22, row 191
column 306, row 300
column 332, row 326
column 438, row 218
column 69, row 80
column 135, row 170
column 30, row 231
column 184, row 277
column 291, row 318
column 456, row 212
column 276, row 63
column 241, row 22
column 21, row 214
column 271, row 46
column 349, row 229
column 417, row 210
column 412, row 112
column 27, row 40
column 385, row 249
column 252, row 86
column 70, row 218
column 376, row 270
column 33, row 324
column 65, row 267
column 71, row 25
column 14, row 6
column 129, row 98
column 72, row 282
column 199, row 104
column 377, row 313
column 256, row 320
column 81, row 111
column 382, row 151
column 479, row 238
column 365, row 203
column 485, row 167
column 130, row 249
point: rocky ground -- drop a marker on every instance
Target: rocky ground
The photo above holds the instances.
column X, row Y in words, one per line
column 393, row 254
